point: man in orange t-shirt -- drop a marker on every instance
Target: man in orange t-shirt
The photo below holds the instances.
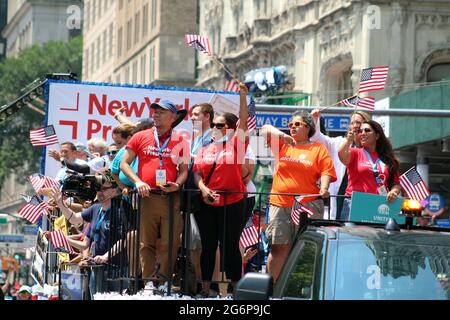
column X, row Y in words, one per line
column 300, row 164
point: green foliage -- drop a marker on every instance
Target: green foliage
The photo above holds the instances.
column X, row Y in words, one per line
column 16, row 153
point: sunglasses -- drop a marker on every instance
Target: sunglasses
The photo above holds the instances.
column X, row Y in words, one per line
column 112, row 152
column 218, row 125
column 366, row 130
column 297, row 124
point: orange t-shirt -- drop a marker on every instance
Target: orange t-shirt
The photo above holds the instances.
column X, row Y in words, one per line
column 298, row 170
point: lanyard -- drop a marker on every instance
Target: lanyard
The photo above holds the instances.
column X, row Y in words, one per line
column 374, row 167
column 201, row 141
column 99, row 224
column 160, row 149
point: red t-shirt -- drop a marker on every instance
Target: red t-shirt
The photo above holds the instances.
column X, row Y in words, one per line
column 227, row 175
column 360, row 173
column 143, row 144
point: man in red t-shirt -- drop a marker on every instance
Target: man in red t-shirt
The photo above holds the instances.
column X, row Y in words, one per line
column 163, row 167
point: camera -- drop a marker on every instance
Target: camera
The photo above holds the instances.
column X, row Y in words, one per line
column 83, row 186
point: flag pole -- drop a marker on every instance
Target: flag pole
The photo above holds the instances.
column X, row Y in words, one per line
column 224, row 67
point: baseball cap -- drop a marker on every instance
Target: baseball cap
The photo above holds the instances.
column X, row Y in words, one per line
column 81, row 147
column 169, row 105
column 25, row 289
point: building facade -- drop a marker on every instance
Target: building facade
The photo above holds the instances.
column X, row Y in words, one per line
column 33, row 22
column 325, row 44
column 139, row 42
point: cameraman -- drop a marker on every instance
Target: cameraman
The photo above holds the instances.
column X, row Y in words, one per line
column 99, row 217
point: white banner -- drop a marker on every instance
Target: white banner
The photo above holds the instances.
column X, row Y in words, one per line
column 81, row 111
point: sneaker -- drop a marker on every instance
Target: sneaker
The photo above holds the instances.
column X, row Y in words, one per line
column 205, row 294
column 149, row 288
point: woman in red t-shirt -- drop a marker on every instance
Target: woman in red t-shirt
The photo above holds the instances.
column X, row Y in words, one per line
column 218, row 167
column 372, row 168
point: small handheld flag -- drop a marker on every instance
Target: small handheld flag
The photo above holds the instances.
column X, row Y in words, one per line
column 60, row 242
column 199, row 43
column 373, row 78
column 33, row 210
column 356, row 101
column 249, row 237
column 297, row 209
column 413, row 185
column 45, row 136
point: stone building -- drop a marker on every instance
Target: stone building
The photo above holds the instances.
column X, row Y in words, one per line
column 325, row 44
column 139, row 42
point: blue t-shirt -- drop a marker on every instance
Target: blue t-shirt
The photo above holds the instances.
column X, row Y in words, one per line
column 99, row 228
column 115, row 167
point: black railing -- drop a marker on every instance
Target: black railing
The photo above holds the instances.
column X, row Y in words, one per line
column 123, row 266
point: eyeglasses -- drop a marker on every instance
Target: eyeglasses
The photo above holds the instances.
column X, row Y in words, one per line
column 297, row 124
column 112, row 152
column 366, row 130
column 218, row 125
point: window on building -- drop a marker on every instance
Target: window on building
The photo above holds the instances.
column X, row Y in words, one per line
column 119, row 42
column 120, row 7
column 94, row 10
column 143, row 68
column 338, row 84
column 439, row 72
column 152, row 65
column 87, row 15
column 105, row 45
column 153, row 21
column 137, row 21
column 261, row 8
column 129, row 33
column 127, row 75
column 134, row 72
column 92, row 57
column 145, row 20
column 86, row 63
column 111, row 39
column 99, row 49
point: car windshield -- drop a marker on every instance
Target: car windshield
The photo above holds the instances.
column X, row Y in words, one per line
column 372, row 269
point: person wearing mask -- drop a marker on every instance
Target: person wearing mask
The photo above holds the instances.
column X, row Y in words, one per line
column 162, row 170
column 332, row 144
column 300, row 163
column 218, row 167
column 372, row 168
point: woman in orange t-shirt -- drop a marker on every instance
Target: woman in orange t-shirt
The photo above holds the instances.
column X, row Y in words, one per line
column 218, row 167
column 300, row 164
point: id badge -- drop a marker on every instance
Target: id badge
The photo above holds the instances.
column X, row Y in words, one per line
column 160, row 177
column 382, row 191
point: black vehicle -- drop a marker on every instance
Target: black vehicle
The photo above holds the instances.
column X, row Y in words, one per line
column 348, row 261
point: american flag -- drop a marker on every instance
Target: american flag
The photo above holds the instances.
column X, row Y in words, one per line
column 230, row 84
column 413, row 185
column 39, row 181
column 199, row 43
column 373, row 78
column 33, row 210
column 366, row 103
column 60, row 242
column 249, row 237
column 297, row 209
column 45, row 136
column 251, row 120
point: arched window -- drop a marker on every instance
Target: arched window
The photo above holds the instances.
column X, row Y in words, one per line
column 338, row 83
column 438, row 72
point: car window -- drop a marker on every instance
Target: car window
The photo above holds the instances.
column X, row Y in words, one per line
column 300, row 281
column 377, row 270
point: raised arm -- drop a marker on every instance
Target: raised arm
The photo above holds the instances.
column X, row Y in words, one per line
column 243, row 113
column 344, row 152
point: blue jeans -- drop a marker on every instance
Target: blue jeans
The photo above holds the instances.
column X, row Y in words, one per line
column 345, row 213
column 97, row 281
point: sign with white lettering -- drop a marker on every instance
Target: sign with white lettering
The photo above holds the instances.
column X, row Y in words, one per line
column 80, row 111
column 280, row 121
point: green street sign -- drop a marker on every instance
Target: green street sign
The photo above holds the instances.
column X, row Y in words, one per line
column 3, row 220
column 373, row 208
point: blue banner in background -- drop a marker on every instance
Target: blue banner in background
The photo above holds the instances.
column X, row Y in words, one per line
column 280, row 121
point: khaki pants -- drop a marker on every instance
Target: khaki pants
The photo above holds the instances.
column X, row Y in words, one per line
column 154, row 218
